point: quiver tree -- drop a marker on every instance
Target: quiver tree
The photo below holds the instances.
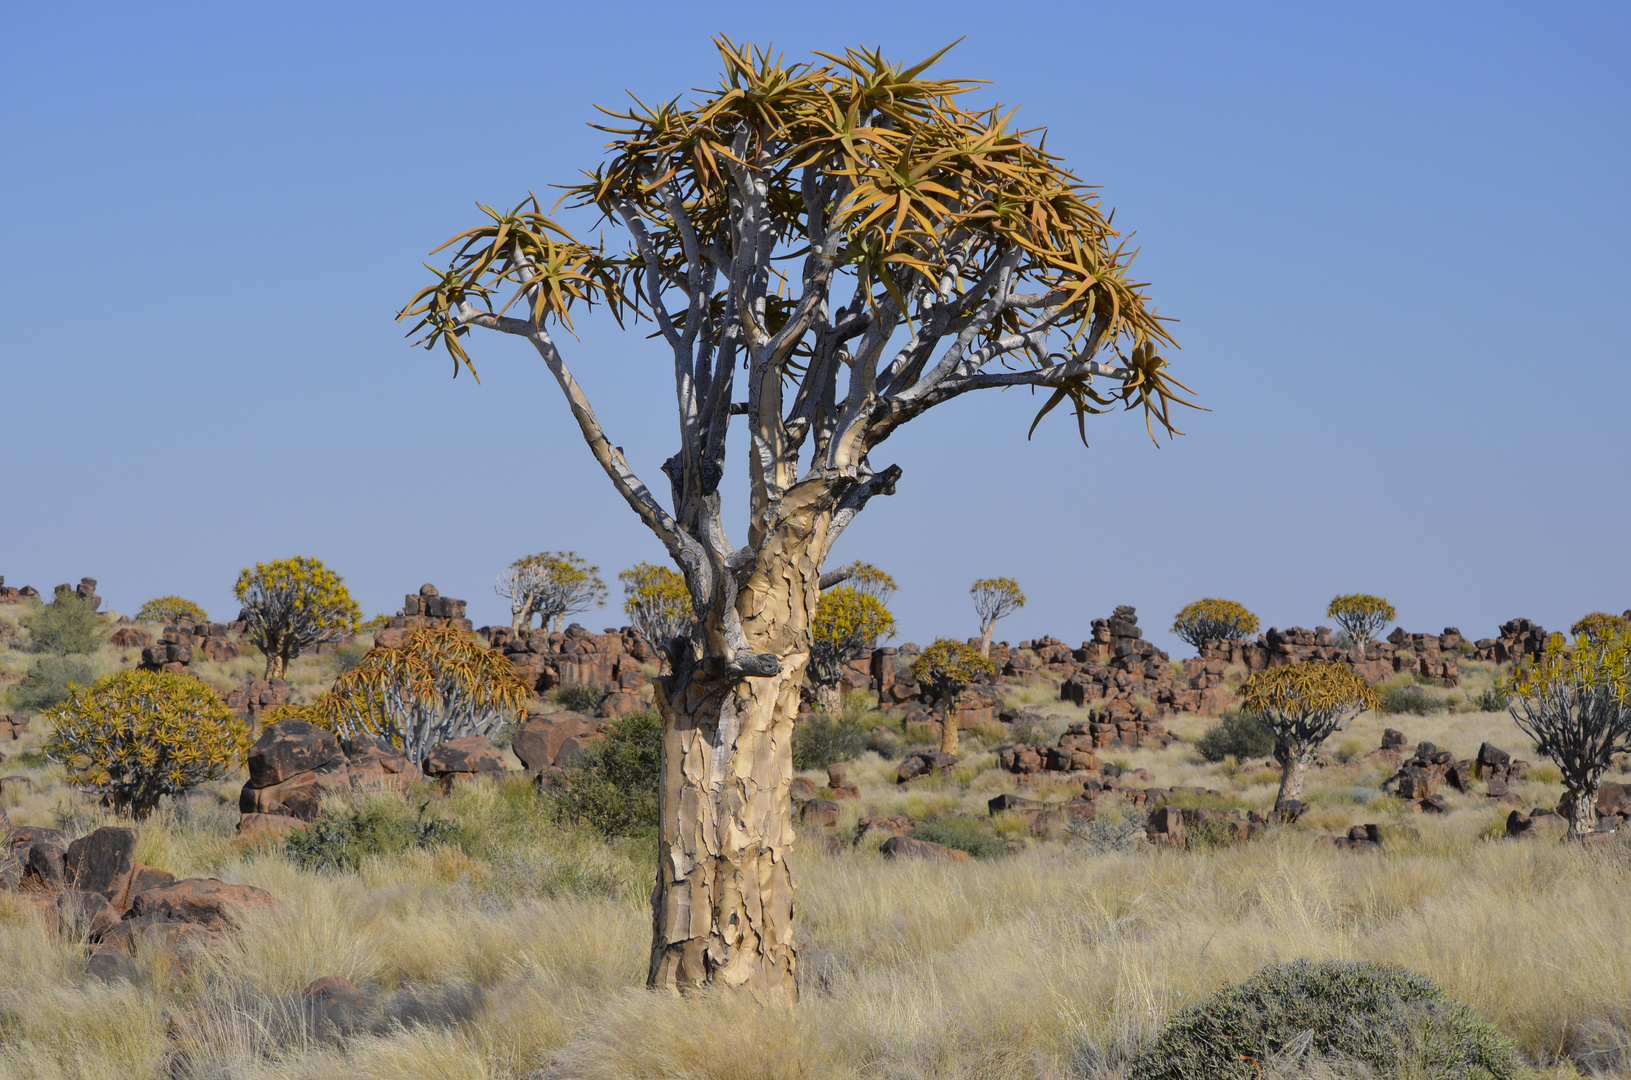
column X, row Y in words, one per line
column 864, row 578
column 551, row 585
column 1600, row 624
column 1206, row 621
column 1304, row 704
column 136, row 736
column 848, row 625
column 1576, row 705
column 291, row 605
column 947, row 668
column 658, row 604
column 168, row 609
column 439, row 684
column 1362, row 615
column 994, row 598
column 931, row 251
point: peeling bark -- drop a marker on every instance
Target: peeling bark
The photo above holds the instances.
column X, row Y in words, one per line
column 1581, row 809
column 1295, row 771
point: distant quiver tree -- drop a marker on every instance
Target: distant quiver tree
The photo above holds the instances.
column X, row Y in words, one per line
column 947, row 668
column 1362, row 615
column 551, row 585
column 1576, row 705
column 657, row 603
column 439, row 684
column 167, row 609
column 1304, row 704
column 826, row 251
column 994, row 598
column 1206, row 621
column 1600, row 624
column 291, row 605
column 848, row 625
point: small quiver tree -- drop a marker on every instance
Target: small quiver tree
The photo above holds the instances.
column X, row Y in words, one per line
column 1600, row 624
column 290, row 605
column 994, row 598
column 439, row 684
column 135, row 736
column 828, row 250
column 848, row 625
column 1576, row 705
column 658, row 605
column 864, row 578
column 551, row 585
column 1304, row 704
column 1206, row 621
column 947, row 668
column 1362, row 615
column 168, row 609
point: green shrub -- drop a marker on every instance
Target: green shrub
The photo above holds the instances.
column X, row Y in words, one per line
column 344, row 839
column 613, row 786
column 1409, row 699
column 1240, row 735
column 1387, row 1018
column 977, row 836
column 822, row 740
column 1491, row 700
column 579, row 697
column 67, row 625
column 45, row 685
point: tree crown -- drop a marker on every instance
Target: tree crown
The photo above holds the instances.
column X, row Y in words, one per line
column 995, row 598
column 863, row 577
column 167, row 609
column 1310, row 693
column 1361, row 614
column 298, row 596
column 949, row 665
column 1214, row 620
column 1601, row 624
column 657, row 602
column 850, row 621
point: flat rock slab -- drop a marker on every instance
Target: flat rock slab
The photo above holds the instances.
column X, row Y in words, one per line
column 207, row 901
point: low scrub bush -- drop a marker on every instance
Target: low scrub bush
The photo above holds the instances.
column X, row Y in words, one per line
column 136, row 736
column 977, row 836
column 1491, row 700
column 613, row 787
column 65, row 626
column 47, row 682
column 1383, row 1017
column 1413, row 700
column 1237, row 735
column 344, row 839
column 579, row 697
column 822, row 740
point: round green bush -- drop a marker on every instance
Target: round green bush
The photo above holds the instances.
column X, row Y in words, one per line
column 1243, row 735
column 1386, row 1017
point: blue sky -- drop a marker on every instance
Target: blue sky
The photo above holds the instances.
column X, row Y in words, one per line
column 1394, row 236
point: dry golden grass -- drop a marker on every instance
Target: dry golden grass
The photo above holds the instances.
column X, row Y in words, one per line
column 1053, row 962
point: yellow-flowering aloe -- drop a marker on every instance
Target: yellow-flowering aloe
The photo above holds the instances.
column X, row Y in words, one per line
column 1362, row 615
column 1304, row 704
column 1213, row 619
column 135, row 736
column 1575, row 703
column 848, row 624
column 658, row 604
column 292, row 605
column 167, row 609
column 439, row 684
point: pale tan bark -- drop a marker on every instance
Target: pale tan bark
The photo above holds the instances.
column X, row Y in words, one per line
column 1295, row 771
column 275, row 664
column 830, row 699
column 722, row 909
column 1581, row 810
column 948, row 729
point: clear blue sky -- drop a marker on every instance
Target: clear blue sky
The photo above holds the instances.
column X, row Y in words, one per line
column 1394, row 234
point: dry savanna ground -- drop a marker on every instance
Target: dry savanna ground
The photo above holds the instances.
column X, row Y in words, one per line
column 521, row 948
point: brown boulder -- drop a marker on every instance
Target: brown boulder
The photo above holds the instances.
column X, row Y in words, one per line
column 156, row 932
column 289, row 748
column 819, row 812
column 103, row 862
column 470, row 756
column 208, row 902
column 299, row 796
column 86, row 915
column 374, row 762
column 905, row 847
column 539, row 740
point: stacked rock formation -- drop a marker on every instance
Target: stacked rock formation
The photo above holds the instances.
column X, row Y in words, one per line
column 609, row 662
column 1432, row 656
column 554, row 740
column 9, row 595
column 94, row 888
column 1166, row 825
column 1040, row 816
column 85, row 590
column 258, row 696
column 294, row 764
column 184, row 639
column 427, row 608
column 1520, row 639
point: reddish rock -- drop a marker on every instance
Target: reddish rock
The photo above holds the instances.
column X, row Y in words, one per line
column 103, row 862
column 539, row 740
column 85, row 915
column 259, row 826
column 289, row 748
column 335, row 1003
column 373, row 762
column 905, row 847
column 819, row 812
column 206, row 901
column 156, row 932
column 801, row 788
column 472, row 755
column 146, row 878
column 300, row 796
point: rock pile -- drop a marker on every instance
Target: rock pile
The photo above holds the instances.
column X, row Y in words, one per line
column 1418, row 778
column 1166, row 825
column 1432, row 656
column 470, row 757
column 609, row 662
column 294, row 764
column 13, row 726
column 1520, row 639
column 425, row 608
column 9, row 595
column 554, row 740
column 85, row 590
column 258, row 696
column 184, row 639
column 1040, row 816
column 924, row 763
column 1498, row 771
column 94, row 888
column 1118, row 664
